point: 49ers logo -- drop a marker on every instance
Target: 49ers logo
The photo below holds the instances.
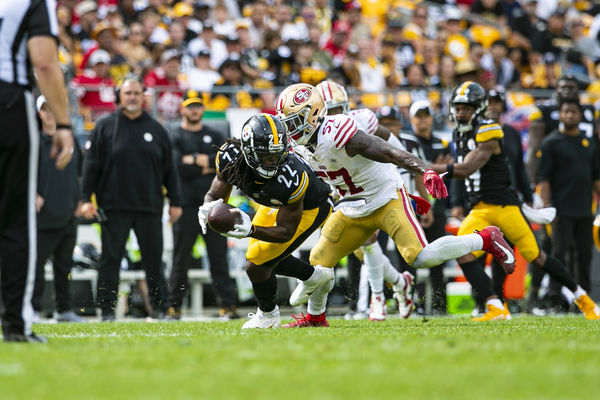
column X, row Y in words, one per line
column 301, row 96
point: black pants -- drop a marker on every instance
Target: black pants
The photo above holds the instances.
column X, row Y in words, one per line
column 185, row 232
column 115, row 231
column 57, row 244
column 19, row 138
column 576, row 231
column 436, row 274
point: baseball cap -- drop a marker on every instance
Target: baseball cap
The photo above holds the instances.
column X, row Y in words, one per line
column 388, row 112
column 41, row 100
column 353, row 5
column 452, row 13
column 85, row 7
column 191, row 97
column 168, row 55
column 420, row 105
column 340, row 27
column 99, row 56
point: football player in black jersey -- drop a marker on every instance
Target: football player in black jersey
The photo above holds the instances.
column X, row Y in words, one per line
column 481, row 162
column 544, row 119
column 294, row 202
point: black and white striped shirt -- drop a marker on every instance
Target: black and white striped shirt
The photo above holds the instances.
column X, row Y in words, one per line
column 21, row 20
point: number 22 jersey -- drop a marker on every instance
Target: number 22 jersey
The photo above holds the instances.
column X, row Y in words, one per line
column 293, row 180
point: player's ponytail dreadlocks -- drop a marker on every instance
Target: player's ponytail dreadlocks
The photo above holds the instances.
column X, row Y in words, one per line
column 237, row 172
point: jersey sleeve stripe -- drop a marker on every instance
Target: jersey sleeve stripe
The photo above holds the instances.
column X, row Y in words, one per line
column 489, row 135
column 536, row 114
column 344, row 139
column 217, row 163
column 298, row 193
column 488, row 127
column 341, row 130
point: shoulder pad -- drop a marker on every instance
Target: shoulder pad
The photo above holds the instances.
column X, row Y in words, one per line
column 535, row 114
column 226, row 154
column 339, row 129
column 488, row 130
column 366, row 119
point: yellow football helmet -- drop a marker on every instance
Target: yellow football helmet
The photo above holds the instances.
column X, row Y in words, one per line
column 334, row 96
column 301, row 108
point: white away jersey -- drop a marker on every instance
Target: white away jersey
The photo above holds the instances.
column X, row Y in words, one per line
column 366, row 119
column 370, row 184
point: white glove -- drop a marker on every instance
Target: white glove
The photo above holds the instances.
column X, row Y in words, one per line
column 537, row 201
column 203, row 212
column 540, row 215
column 244, row 228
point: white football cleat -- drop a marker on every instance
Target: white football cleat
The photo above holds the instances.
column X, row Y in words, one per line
column 404, row 295
column 306, row 288
column 263, row 320
column 377, row 312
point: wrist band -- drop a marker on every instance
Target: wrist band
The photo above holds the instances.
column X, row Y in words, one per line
column 252, row 229
column 450, row 169
column 63, row 126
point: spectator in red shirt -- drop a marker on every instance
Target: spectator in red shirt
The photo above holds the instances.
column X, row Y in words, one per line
column 95, row 88
column 166, row 85
column 337, row 44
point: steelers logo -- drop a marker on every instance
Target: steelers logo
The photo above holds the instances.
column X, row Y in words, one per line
column 585, row 142
column 471, row 144
column 207, row 139
column 301, row 96
column 148, row 137
column 246, row 133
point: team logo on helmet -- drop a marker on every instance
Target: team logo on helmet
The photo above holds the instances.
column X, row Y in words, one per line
column 301, row 96
column 246, row 132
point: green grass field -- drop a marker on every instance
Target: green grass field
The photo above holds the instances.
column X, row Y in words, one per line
column 438, row 358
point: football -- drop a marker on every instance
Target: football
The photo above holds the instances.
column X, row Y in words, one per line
column 221, row 219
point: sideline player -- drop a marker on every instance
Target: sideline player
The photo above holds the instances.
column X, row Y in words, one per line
column 481, row 162
column 359, row 166
column 379, row 267
column 294, row 202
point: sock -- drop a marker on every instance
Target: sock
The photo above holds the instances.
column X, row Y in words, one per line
column 391, row 275
column 447, row 248
column 374, row 261
column 294, row 267
column 317, row 303
column 362, row 303
column 579, row 292
column 496, row 303
column 478, row 279
column 265, row 293
column 559, row 271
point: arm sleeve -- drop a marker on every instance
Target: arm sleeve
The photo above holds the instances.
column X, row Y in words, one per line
column 171, row 176
column 546, row 166
column 218, row 141
column 92, row 164
column 457, row 193
column 42, row 19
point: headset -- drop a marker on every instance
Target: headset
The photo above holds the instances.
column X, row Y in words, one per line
column 129, row 77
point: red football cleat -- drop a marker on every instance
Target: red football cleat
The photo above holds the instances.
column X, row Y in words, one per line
column 494, row 243
column 306, row 321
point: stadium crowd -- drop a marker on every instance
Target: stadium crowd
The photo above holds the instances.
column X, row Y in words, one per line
column 388, row 55
column 393, row 52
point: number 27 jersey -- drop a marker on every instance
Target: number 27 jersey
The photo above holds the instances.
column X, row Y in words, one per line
column 354, row 178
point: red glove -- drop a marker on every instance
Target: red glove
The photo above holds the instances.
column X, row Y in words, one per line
column 434, row 184
column 421, row 205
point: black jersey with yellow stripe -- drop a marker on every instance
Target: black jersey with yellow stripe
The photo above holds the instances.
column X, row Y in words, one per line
column 294, row 180
column 548, row 113
column 491, row 183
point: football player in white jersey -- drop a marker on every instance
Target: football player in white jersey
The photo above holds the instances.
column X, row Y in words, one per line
column 371, row 196
column 378, row 265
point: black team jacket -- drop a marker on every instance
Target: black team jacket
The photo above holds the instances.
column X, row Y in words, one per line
column 127, row 163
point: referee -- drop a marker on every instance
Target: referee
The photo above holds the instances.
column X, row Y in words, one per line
column 28, row 31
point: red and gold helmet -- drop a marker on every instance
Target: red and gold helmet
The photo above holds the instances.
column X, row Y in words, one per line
column 300, row 107
column 334, row 95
